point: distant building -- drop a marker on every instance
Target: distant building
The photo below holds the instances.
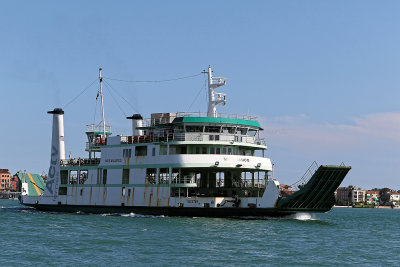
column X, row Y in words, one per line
column 5, row 177
column 358, row 195
column 394, row 197
column 372, row 196
column 15, row 184
column 350, row 194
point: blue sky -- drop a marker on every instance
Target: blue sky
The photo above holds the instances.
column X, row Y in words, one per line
column 322, row 76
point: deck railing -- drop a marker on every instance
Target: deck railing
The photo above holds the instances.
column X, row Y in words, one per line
column 79, row 162
column 97, row 128
column 199, row 137
column 219, row 115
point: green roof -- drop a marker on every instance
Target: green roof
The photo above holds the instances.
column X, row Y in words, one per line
column 217, row 120
column 36, row 184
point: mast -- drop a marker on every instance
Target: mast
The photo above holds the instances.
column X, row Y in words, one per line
column 214, row 98
column 102, row 104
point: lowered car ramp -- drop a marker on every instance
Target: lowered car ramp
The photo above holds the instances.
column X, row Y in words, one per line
column 317, row 195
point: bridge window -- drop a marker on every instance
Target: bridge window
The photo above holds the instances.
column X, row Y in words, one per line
column 241, row 131
column 252, row 132
column 194, row 129
column 212, row 129
column 141, row 151
column 228, row 130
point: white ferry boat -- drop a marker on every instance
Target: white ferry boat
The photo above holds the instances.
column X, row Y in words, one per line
column 178, row 164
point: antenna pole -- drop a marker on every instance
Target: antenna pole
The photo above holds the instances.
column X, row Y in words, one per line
column 214, row 98
column 102, row 104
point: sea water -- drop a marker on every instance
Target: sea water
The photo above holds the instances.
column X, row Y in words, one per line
column 341, row 237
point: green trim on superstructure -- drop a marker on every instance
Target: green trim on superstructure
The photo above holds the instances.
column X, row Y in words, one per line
column 216, row 120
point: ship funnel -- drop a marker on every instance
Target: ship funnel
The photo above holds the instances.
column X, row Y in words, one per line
column 137, row 122
column 57, row 141
column 57, row 152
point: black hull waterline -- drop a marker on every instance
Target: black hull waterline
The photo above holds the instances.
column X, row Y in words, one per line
column 168, row 211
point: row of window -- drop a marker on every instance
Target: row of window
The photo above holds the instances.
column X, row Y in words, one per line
column 173, row 150
column 162, row 176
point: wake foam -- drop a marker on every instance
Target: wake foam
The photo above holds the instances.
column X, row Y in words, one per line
column 304, row 216
column 133, row 215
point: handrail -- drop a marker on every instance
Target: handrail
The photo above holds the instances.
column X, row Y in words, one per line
column 97, row 128
column 176, row 137
column 219, row 115
column 79, row 162
column 306, row 176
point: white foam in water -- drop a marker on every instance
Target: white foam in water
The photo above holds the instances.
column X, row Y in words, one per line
column 133, row 215
column 128, row 215
column 304, row 216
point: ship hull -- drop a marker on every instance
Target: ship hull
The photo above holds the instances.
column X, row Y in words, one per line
column 168, row 211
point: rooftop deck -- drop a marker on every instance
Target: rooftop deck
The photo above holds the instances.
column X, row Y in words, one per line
column 219, row 115
column 167, row 118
